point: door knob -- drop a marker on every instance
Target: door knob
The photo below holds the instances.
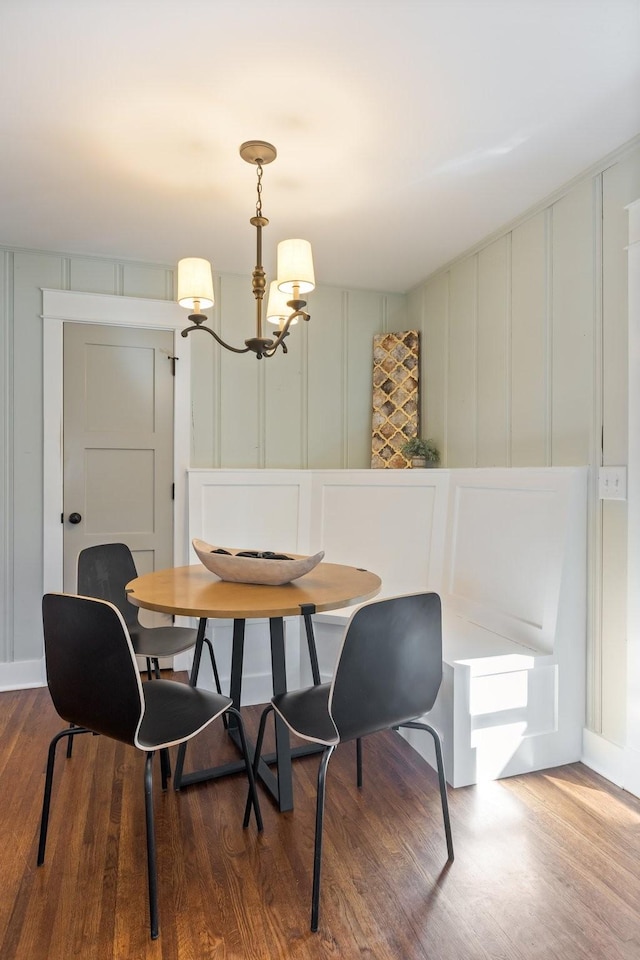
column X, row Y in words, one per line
column 74, row 518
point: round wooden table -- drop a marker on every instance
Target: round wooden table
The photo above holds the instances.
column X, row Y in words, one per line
column 194, row 592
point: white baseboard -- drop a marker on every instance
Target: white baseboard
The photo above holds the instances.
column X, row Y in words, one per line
column 22, row 674
column 632, row 771
column 605, row 757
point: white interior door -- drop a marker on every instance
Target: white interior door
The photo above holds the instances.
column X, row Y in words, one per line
column 118, row 443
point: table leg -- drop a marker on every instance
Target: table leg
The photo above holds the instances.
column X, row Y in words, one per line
column 237, row 664
column 307, row 610
column 283, row 746
column 234, row 766
column 279, row 785
column 197, row 652
column 193, row 680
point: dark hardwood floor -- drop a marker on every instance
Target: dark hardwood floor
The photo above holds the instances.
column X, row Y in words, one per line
column 547, row 865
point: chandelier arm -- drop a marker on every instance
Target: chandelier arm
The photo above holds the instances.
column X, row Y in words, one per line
column 227, row 346
column 278, row 342
column 285, row 330
column 270, row 353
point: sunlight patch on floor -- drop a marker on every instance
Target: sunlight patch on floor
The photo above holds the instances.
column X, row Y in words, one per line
column 616, row 811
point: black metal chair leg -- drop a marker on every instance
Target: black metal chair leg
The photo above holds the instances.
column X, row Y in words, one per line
column 151, row 847
column 165, row 766
column 214, row 665
column 70, row 743
column 46, row 800
column 177, row 779
column 256, row 760
column 359, row 761
column 443, row 790
column 253, row 795
column 216, row 676
column 437, row 742
column 260, row 738
column 317, row 853
column 307, row 610
column 156, row 667
column 193, row 681
column 148, row 668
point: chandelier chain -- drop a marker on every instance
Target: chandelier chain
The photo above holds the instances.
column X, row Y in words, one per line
column 259, row 191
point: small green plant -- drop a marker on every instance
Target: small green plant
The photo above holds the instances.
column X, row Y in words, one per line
column 416, row 447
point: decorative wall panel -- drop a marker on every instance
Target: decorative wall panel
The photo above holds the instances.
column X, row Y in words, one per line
column 396, row 381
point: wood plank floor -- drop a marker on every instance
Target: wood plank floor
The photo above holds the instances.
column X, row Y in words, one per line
column 547, row 865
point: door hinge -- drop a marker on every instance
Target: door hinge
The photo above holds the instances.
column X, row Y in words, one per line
column 173, row 491
column 173, row 365
column 62, row 518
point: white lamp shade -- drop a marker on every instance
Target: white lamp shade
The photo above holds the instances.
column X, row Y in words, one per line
column 195, row 283
column 277, row 309
column 295, row 266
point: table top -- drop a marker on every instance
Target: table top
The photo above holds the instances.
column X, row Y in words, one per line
column 194, row 592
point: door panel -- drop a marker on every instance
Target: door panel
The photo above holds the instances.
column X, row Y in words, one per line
column 119, row 492
column 118, row 443
column 122, row 394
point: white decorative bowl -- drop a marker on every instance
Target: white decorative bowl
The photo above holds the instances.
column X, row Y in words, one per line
column 265, row 570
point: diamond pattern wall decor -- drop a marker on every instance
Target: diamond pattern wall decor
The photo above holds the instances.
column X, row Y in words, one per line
column 396, row 384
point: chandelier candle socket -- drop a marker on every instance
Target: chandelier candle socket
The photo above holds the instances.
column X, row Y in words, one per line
column 295, row 276
column 278, row 306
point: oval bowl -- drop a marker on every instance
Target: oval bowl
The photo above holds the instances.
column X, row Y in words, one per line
column 229, row 566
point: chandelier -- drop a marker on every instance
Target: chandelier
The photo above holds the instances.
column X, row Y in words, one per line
column 284, row 304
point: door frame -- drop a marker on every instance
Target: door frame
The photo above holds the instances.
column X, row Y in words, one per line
column 630, row 778
column 68, row 306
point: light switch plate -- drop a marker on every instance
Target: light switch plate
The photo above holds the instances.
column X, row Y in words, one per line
column 612, row 483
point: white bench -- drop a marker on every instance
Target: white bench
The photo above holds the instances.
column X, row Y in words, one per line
column 505, row 549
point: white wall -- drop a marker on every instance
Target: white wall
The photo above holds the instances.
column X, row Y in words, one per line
column 525, row 364
column 310, row 408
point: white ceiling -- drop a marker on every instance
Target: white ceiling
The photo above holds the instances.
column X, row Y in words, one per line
column 407, row 130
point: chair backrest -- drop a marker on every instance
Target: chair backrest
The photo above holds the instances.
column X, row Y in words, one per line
column 389, row 669
column 103, row 572
column 91, row 668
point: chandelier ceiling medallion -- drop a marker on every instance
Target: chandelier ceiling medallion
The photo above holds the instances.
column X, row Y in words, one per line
column 295, row 277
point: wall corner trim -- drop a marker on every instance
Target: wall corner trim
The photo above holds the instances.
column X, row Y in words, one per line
column 22, row 675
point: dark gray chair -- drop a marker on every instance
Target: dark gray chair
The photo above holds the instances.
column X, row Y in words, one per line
column 388, row 674
column 95, row 685
column 103, row 572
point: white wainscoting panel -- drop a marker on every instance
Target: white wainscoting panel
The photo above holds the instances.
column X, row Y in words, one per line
column 389, row 521
column 250, row 509
column 505, row 549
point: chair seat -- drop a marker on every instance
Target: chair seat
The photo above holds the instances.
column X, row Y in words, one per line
column 175, row 712
column 161, row 641
column 306, row 713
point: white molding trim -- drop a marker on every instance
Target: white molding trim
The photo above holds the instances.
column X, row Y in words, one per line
column 22, row 675
column 632, row 771
column 620, row 765
column 65, row 306
column 6, row 468
column 632, row 743
column 603, row 756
